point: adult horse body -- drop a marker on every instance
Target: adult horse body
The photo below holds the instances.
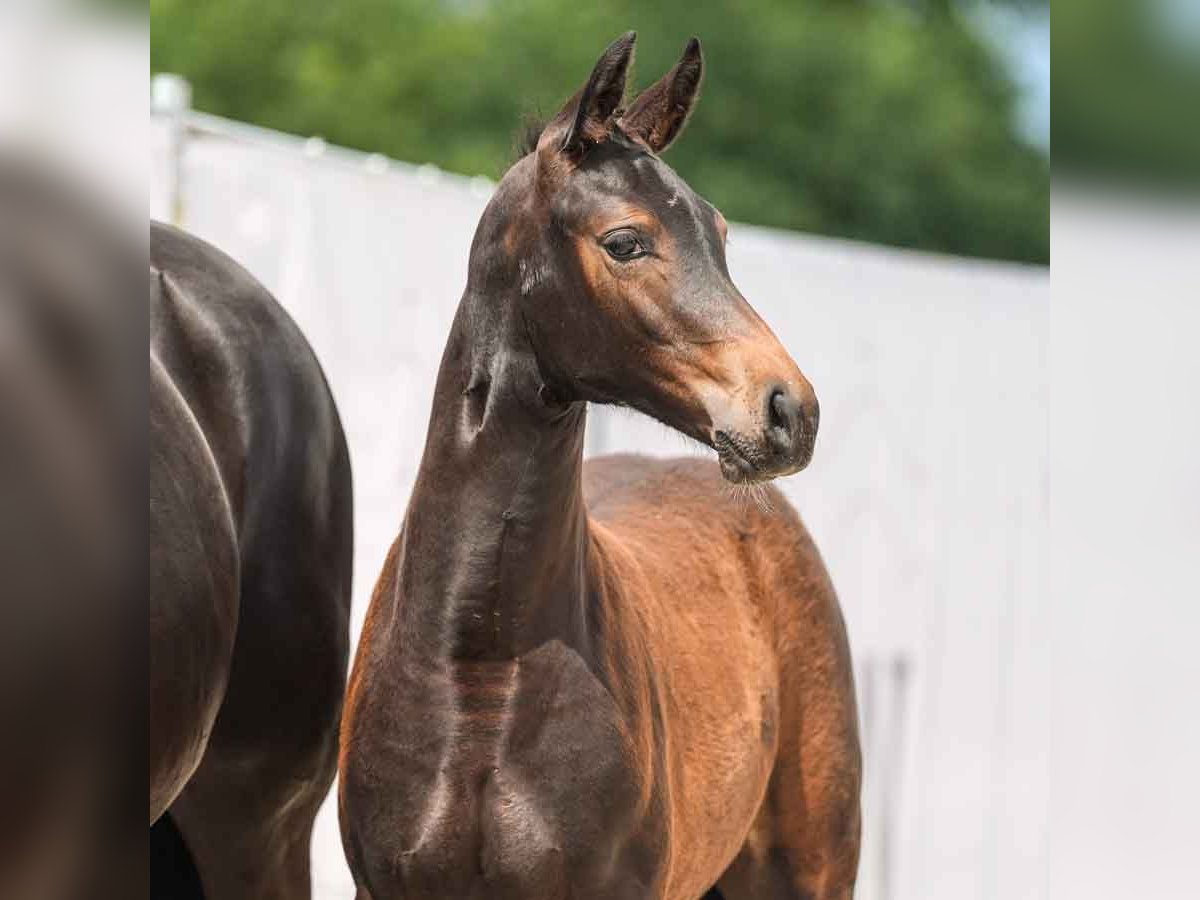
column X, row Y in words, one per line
column 619, row 679
column 250, row 564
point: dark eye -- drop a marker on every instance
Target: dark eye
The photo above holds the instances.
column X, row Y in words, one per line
column 623, row 245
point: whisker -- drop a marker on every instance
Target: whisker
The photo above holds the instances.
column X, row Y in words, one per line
column 745, row 493
column 762, row 497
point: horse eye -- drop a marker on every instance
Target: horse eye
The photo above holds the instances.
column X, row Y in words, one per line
column 623, row 245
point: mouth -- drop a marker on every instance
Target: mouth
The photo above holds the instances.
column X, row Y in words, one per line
column 745, row 463
column 737, row 461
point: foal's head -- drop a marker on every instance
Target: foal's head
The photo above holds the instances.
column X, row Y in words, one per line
column 618, row 272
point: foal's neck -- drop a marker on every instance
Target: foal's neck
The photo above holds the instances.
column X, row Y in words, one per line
column 495, row 539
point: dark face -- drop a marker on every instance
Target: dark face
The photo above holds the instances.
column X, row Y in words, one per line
column 624, row 283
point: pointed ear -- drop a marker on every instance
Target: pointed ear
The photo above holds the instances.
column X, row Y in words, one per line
column 587, row 117
column 659, row 113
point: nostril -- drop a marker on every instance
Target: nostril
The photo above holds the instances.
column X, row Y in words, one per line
column 780, row 418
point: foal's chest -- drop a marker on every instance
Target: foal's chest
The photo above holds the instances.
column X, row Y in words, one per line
column 527, row 788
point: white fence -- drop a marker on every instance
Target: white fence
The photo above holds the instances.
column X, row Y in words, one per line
column 928, row 495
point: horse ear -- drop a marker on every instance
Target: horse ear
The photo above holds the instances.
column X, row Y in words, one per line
column 588, row 115
column 659, row 113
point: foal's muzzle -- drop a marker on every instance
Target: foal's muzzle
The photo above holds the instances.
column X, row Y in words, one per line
column 777, row 441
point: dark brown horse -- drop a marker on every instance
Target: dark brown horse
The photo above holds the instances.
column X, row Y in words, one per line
column 617, row 680
column 250, row 563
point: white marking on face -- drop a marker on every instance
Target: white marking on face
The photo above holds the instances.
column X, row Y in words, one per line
column 674, row 199
column 531, row 274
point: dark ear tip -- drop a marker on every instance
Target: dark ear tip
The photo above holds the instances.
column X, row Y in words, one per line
column 620, row 51
column 693, row 47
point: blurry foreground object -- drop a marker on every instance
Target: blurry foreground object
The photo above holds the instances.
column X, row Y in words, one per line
column 1124, row 430
column 72, row 649
column 1126, row 91
column 72, row 94
column 1125, row 490
column 72, row 471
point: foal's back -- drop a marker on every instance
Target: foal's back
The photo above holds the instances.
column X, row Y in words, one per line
column 738, row 611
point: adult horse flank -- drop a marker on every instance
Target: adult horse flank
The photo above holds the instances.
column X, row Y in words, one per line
column 612, row 680
column 250, row 558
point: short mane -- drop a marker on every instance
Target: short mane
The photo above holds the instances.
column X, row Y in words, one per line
column 527, row 138
column 530, row 132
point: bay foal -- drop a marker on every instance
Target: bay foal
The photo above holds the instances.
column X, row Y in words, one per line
column 614, row 680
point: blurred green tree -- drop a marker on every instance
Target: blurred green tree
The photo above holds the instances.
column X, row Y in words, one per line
column 1126, row 89
column 881, row 121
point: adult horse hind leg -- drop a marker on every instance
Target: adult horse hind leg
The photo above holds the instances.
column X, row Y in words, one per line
column 246, row 842
column 248, row 813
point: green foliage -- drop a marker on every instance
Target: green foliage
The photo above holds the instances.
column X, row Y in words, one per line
column 881, row 121
column 1126, row 89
